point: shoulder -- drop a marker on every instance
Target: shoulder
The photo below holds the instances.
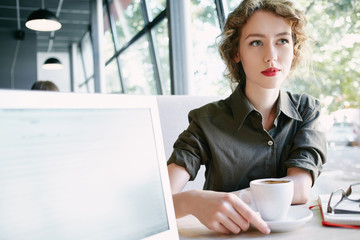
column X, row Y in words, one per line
column 304, row 101
column 307, row 106
column 211, row 110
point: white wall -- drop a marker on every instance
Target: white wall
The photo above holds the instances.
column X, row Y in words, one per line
column 60, row 77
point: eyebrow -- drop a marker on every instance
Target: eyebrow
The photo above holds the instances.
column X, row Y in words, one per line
column 263, row 35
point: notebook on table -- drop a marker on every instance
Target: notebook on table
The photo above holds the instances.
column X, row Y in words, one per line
column 347, row 220
column 82, row 166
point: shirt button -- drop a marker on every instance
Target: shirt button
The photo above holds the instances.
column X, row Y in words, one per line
column 270, row 143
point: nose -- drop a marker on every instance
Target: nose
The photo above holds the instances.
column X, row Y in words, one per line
column 270, row 54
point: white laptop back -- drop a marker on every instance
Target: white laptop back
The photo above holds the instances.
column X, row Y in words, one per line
column 82, row 166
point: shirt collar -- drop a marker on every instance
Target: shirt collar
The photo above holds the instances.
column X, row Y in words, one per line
column 241, row 107
column 287, row 106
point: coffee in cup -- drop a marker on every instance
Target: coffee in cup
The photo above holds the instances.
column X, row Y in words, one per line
column 271, row 197
column 275, row 181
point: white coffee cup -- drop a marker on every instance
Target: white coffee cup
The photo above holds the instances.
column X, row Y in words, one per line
column 271, row 197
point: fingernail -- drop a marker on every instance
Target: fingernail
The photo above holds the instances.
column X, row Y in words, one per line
column 267, row 231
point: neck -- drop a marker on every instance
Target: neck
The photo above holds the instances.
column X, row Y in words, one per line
column 264, row 100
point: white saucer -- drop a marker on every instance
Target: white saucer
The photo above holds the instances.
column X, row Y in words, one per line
column 297, row 217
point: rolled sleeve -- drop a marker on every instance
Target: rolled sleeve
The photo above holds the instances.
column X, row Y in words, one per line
column 309, row 146
column 190, row 149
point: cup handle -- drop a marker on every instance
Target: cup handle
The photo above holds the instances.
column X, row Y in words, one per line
column 245, row 195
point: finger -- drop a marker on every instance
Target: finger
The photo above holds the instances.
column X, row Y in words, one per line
column 256, row 220
column 218, row 227
column 259, row 223
column 229, row 224
column 253, row 217
column 222, row 229
column 236, row 219
column 243, row 223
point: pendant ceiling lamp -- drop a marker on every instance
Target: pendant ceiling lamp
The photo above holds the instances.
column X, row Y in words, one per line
column 52, row 64
column 43, row 20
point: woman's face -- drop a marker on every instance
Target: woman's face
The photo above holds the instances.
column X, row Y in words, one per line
column 265, row 50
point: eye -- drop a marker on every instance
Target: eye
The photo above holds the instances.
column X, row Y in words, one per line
column 283, row 41
column 256, row 43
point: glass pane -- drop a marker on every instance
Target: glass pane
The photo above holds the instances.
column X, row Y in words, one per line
column 112, row 78
column 137, row 69
column 86, row 56
column 82, row 89
column 208, row 66
column 90, row 85
column 155, row 7
column 109, row 49
column 128, row 19
column 80, row 74
column 87, row 53
column 161, row 43
column 87, row 87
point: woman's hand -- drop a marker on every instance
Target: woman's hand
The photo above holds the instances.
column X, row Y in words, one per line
column 221, row 212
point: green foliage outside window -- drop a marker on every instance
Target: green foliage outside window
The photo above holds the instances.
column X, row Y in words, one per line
column 335, row 79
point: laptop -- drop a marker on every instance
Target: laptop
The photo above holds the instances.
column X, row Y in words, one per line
column 82, row 166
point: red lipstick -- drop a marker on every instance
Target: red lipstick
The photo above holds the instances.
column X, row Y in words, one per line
column 270, row 72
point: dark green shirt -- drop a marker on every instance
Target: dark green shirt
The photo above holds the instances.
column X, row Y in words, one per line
column 228, row 137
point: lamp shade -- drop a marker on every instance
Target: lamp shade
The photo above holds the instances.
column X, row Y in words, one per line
column 52, row 64
column 43, row 20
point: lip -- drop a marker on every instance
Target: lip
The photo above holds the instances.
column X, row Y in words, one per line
column 270, row 72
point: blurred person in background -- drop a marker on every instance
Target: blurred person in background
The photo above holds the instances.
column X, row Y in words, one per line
column 45, row 85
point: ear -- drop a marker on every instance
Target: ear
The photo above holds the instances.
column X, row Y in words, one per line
column 237, row 57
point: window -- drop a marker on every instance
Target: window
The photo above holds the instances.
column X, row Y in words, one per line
column 128, row 19
column 136, row 36
column 137, row 68
column 109, row 48
column 112, row 77
column 161, row 46
column 87, row 55
column 208, row 66
column 84, row 80
column 80, row 79
column 155, row 7
column 137, row 41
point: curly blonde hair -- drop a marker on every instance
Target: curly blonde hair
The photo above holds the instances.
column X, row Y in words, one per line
column 229, row 38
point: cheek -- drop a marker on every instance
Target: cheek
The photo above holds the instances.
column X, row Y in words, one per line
column 249, row 66
column 288, row 57
column 243, row 56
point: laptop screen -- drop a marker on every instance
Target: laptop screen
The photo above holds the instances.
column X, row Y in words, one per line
column 69, row 172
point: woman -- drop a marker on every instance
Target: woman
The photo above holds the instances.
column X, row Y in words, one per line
column 260, row 131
